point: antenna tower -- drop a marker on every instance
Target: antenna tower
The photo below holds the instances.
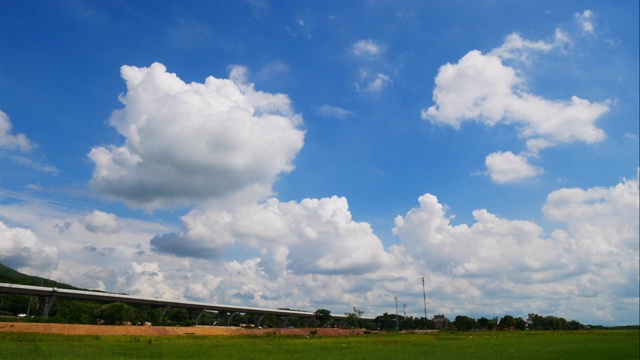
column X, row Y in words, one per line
column 424, row 297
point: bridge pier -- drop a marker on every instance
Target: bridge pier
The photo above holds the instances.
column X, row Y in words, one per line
column 307, row 322
column 226, row 317
column 195, row 314
column 284, row 320
column 257, row 319
column 46, row 303
column 164, row 312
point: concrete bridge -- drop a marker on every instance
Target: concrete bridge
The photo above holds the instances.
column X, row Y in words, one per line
column 48, row 295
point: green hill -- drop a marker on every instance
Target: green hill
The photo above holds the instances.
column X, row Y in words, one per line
column 11, row 276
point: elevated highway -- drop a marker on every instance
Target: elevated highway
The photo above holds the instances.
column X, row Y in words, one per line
column 48, row 295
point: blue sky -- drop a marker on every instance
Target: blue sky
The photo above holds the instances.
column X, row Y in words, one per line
column 327, row 155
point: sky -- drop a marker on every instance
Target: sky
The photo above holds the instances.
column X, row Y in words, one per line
column 327, row 154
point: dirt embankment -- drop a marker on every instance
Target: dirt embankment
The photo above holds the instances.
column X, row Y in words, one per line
column 70, row 329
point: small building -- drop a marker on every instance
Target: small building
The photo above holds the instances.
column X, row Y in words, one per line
column 440, row 322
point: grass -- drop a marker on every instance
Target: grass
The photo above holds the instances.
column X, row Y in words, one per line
column 610, row 344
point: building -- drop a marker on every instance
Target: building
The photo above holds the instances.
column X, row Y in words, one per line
column 440, row 322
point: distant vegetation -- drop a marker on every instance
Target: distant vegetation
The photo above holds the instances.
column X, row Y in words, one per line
column 90, row 312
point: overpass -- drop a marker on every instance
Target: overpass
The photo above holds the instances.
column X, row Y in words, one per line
column 48, row 295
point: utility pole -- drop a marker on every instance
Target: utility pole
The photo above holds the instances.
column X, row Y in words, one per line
column 424, row 297
column 397, row 320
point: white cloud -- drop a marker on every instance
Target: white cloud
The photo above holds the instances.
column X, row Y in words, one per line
column 585, row 19
column 366, row 48
column 315, row 236
column 379, row 82
column 191, row 142
column 9, row 141
column 90, row 259
column 311, row 254
column 506, row 167
column 601, row 230
column 490, row 247
column 599, row 218
column 372, row 82
column 480, row 88
column 370, row 53
column 477, row 88
column 21, row 143
column 586, row 269
column 20, row 248
column 335, row 112
column 146, row 280
column 101, row 222
column 518, row 48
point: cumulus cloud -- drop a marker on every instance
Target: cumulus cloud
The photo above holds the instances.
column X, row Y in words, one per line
column 506, row 167
column 311, row 254
column 489, row 247
column 145, row 279
column 481, row 88
column 101, row 222
column 9, row 141
column 314, row 236
column 20, row 248
column 366, row 48
column 600, row 225
column 191, row 142
column 591, row 258
column 335, row 112
column 599, row 218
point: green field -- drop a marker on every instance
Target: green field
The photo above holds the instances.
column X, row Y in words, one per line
column 609, row 344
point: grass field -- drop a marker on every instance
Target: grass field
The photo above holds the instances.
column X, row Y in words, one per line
column 610, row 344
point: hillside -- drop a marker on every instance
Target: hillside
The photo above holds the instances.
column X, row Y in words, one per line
column 11, row 276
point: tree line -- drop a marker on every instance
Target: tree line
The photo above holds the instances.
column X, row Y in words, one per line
column 89, row 312
column 465, row 323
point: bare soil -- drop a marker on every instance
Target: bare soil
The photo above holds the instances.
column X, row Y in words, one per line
column 131, row 330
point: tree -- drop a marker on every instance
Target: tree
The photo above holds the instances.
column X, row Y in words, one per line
column 323, row 316
column 483, row 323
column 507, row 322
column 465, row 323
column 574, row 325
column 385, row 322
column 115, row 313
column 353, row 318
column 493, row 323
column 520, row 323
